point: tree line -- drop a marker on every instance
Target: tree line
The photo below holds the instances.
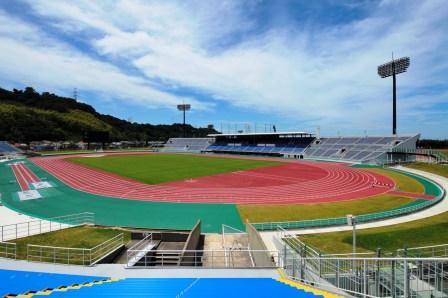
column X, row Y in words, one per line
column 26, row 115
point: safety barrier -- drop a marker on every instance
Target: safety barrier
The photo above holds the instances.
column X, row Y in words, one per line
column 8, row 250
column 230, row 258
column 39, row 226
column 74, row 256
column 338, row 221
column 433, row 251
column 363, row 275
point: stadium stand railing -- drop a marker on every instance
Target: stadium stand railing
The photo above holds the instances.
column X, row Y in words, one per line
column 431, row 188
column 39, row 226
column 433, row 251
column 74, row 256
column 218, row 258
column 362, row 275
column 187, row 144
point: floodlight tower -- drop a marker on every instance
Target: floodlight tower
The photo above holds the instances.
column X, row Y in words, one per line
column 184, row 108
column 392, row 69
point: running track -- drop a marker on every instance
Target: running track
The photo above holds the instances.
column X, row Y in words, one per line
column 24, row 176
column 294, row 182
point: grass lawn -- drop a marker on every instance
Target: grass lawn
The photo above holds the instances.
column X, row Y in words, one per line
column 437, row 169
column 268, row 213
column 77, row 237
column 403, row 182
column 159, row 168
column 424, row 232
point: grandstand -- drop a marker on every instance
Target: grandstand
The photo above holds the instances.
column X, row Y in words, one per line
column 8, row 151
column 187, row 144
column 288, row 144
column 371, row 150
column 6, row 148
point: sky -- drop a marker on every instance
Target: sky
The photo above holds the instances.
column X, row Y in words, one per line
column 240, row 64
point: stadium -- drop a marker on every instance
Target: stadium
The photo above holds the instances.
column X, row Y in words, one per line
column 218, row 202
column 92, row 205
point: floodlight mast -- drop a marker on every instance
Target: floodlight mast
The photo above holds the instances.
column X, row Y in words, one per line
column 184, row 108
column 392, row 69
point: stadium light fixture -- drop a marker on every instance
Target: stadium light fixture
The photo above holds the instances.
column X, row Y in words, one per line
column 392, row 69
column 184, row 108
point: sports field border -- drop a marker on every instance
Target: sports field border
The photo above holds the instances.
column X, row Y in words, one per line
column 431, row 188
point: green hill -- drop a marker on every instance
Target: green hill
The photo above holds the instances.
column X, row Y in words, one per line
column 29, row 116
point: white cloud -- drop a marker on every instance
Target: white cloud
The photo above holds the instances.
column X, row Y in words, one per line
column 327, row 74
column 30, row 57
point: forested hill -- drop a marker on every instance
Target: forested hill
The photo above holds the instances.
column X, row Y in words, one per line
column 26, row 115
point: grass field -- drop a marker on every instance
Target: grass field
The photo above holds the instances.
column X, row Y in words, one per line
column 268, row 213
column 78, row 237
column 159, row 168
column 425, row 232
column 403, row 182
column 437, row 169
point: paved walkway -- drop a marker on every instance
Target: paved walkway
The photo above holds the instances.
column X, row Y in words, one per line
column 269, row 237
column 8, row 216
column 118, row 271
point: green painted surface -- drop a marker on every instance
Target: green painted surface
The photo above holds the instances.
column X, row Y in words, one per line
column 159, row 168
column 63, row 200
column 430, row 187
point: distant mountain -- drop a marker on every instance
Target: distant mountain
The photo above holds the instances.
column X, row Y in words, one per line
column 26, row 116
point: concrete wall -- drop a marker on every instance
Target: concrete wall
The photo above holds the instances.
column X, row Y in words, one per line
column 261, row 259
column 192, row 243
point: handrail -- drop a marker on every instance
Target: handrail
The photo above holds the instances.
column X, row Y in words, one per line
column 73, row 255
column 37, row 226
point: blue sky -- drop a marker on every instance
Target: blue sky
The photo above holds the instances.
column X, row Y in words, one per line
column 298, row 64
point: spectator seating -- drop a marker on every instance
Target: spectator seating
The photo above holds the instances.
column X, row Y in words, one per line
column 276, row 147
column 7, row 148
column 190, row 287
column 187, row 144
column 19, row 282
column 356, row 149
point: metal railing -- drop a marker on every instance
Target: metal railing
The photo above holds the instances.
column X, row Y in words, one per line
column 139, row 250
column 8, row 250
column 365, row 274
column 205, row 258
column 433, row 251
column 39, row 226
column 373, row 277
column 74, row 256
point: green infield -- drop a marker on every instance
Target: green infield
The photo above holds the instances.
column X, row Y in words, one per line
column 77, row 237
column 159, row 168
column 437, row 169
column 292, row 212
column 424, row 232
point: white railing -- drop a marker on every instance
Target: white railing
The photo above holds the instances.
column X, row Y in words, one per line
column 373, row 277
column 432, row 251
column 74, row 256
column 8, row 250
column 139, row 250
column 39, row 226
column 205, row 258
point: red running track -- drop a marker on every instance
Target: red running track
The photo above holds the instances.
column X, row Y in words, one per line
column 293, row 182
column 24, row 176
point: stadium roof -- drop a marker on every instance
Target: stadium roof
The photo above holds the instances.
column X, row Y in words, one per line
column 261, row 134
